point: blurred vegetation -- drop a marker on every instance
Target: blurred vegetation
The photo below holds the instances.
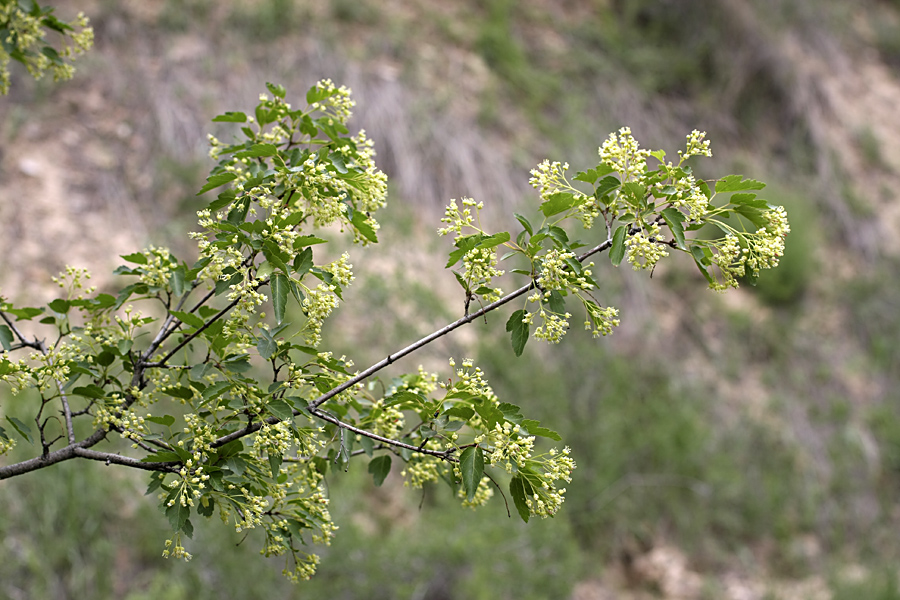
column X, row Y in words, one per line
column 775, row 422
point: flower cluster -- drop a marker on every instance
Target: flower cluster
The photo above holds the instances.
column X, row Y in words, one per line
column 645, row 249
column 318, row 305
column 479, row 269
column 482, row 495
column 739, row 254
column 553, row 326
column 697, row 145
column 456, row 219
column 72, row 280
column 623, row 154
column 24, row 39
column 600, row 321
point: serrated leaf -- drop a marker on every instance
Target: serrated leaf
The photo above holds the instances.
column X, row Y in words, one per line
column 754, row 215
column 21, row 428
column 587, row 176
column 6, row 337
column 605, row 186
column 519, row 331
column 165, row 421
column 214, row 181
column 534, row 428
column 737, row 183
column 471, row 465
column 510, row 412
column 178, row 391
column 230, row 117
column 556, row 303
column 280, row 286
column 560, row 202
column 135, row 257
column 177, row 280
column 277, row 90
column 258, row 150
column 90, row 391
column 189, row 319
column 493, row 241
column 517, row 491
column 617, row 250
column 359, row 221
column 308, row 240
column 303, row 262
column 177, row 515
column 525, row 223
column 674, row 219
column 275, row 461
column 379, row 467
column 266, row 347
column 281, row 409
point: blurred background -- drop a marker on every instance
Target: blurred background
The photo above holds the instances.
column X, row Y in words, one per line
column 741, row 446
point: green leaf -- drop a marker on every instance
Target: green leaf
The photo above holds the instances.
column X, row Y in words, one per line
column 264, row 270
column 471, row 465
column 90, row 391
column 258, row 150
column 379, row 467
column 588, row 176
column 560, row 202
column 511, row 412
column 266, row 347
column 277, row 90
column 519, row 331
column 556, row 303
column 674, row 219
column 23, row 314
column 223, row 200
column 534, row 428
column 494, row 240
column 281, row 409
column 702, row 261
column 754, row 215
column 517, row 491
column 280, row 286
column 214, row 181
column 359, row 221
column 135, row 257
column 605, row 186
column 166, row 421
column 303, row 262
column 178, row 515
column 6, row 337
column 617, row 250
column 308, row 240
column 178, row 391
column 177, row 279
column 275, row 461
column 21, row 428
column 230, row 117
column 524, row 222
column 189, row 319
column 737, row 183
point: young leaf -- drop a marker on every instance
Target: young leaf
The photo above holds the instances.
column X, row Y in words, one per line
column 303, row 262
column 280, row 285
column 280, row 409
column 231, row 117
column 519, row 330
column 6, row 337
column 266, row 347
column 736, row 183
column 524, row 222
column 617, row 251
column 214, row 181
column 534, row 428
column 189, row 319
column 517, row 491
column 674, row 218
column 379, row 467
column 560, row 202
column 177, row 515
column 359, row 221
column 21, row 428
column 166, row 421
column 471, row 464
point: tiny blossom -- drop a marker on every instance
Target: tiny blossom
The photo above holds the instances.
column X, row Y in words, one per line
column 644, row 249
column 623, row 154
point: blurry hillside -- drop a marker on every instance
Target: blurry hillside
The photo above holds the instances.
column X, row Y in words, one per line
column 755, row 452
